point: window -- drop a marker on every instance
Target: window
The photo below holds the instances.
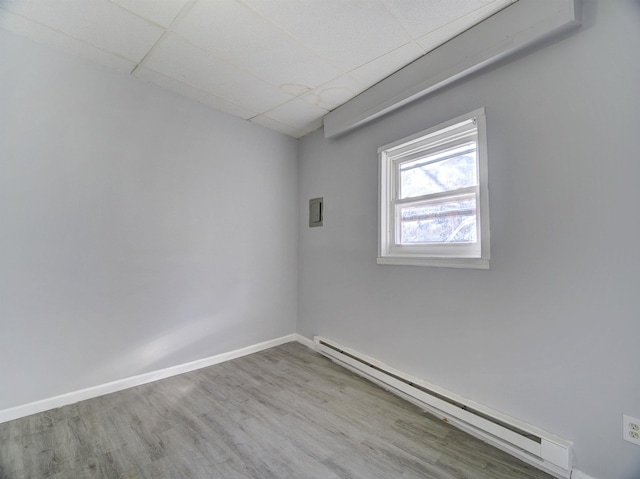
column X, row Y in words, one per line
column 434, row 205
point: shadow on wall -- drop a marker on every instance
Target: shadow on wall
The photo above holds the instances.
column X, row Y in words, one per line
column 154, row 353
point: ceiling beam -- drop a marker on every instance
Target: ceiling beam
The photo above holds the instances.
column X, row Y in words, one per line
column 522, row 25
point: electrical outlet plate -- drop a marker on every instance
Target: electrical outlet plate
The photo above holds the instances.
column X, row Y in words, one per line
column 631, row 429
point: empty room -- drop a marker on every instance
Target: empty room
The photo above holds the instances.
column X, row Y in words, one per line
column 320, row 239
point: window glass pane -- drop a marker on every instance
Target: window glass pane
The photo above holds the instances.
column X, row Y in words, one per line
column 444, row 171
column 449, row 221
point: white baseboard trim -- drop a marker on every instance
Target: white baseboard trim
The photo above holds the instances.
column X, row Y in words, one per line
column 114, row 386
column 578, row 474
column 305, row 341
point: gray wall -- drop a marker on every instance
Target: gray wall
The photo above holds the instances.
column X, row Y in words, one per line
column 138, row 230
column 550, row 334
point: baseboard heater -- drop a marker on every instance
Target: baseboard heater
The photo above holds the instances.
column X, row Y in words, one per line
column 529, row 443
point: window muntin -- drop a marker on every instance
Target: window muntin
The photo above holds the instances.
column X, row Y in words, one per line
column 433, row 196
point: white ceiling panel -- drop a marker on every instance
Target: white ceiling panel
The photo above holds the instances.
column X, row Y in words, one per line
column 258, row 47
column 194, row 93
column 47, row 36
column 420, row 21
column 176, row 58
column 439, row 35
column 97, row 22
column 334, row 93
column 350, row 33
column 282, row 64
column 371, row 73
column 161, row 12
column 297, row 113
column 281, row 127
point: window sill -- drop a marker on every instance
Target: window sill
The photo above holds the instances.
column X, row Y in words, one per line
column 465, row 263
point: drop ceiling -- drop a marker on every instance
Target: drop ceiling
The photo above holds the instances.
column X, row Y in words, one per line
column 283, row 64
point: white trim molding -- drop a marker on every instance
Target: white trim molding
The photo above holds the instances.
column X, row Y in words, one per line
column 306, row 341
column 114, row 386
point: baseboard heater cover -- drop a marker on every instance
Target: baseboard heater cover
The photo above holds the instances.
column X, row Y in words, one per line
column 531, row 444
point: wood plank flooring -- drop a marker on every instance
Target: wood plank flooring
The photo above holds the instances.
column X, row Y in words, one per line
column 287, row 412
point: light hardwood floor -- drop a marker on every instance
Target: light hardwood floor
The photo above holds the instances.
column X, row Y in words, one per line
column 282, row 413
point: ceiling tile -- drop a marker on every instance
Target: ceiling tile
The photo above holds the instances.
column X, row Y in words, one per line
column 161, row 12
column 281, row 63
column 329, row 26
column 334, row 93
column 193, row 93
column 258, row 47
column 178, row 59
column 438, row 36
column 376, row 70
column 98, row 22
column 277, row 126
column 47, row 36
column 433, row 40
column 297, row 113
column 420, row 17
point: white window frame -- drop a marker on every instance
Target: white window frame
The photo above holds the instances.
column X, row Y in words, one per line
column 427, row 142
